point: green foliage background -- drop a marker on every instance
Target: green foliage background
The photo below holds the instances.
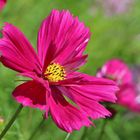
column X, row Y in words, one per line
column 115, row 36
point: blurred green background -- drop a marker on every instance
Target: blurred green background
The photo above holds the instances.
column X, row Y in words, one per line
column 116, row 36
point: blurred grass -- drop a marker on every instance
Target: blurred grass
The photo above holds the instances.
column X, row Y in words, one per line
column 116, row 36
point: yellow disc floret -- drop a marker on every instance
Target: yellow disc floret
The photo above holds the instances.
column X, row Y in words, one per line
column 55, row 72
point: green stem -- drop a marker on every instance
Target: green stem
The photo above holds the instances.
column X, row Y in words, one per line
column 11, row 122
column 102, row 130
column 84, row 133
column 67, row 136
column 36, row 130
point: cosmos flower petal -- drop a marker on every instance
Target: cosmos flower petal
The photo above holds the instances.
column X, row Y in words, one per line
column 65, row 115
column 92, row 108
column 33, row 76
column 61, row 38
column 16, row 51
column 116, row 69
column 89, row 106
column 2, row 4
column 136, row 104
column 75, row 63
column 32, row 94
column 127, row 97
column 99, row 89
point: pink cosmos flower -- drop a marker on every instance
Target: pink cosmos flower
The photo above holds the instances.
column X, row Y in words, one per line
column 116, row 6
column 118, row 71
column 61, row 42
column 2, row 4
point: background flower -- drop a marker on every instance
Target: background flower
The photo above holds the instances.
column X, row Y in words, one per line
column 118, row 71
column 2, row 4
column 116, row 6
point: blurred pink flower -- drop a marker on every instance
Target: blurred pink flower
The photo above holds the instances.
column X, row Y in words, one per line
column 61, row 42
column 2, row 4
column 118, row 71
column 116, row 6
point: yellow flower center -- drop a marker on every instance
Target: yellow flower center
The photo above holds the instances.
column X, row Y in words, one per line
column 55, row 72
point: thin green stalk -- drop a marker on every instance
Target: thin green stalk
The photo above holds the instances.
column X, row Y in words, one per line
column 84, row 133
column 67, row 136
column 36, row 130
column 102, row 130
column 5, row 130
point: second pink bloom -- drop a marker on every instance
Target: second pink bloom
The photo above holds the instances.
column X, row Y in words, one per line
column 118, row 71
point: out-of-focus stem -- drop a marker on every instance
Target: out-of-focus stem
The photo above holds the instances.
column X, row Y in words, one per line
column 7, row 127
column 67, row 136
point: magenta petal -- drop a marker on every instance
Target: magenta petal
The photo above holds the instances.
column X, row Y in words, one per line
column 136, row 105
column 88, row 92
column 116, row 70
column 2, row 4
column 89, row 106
column 127, row 97
column 31, row 94
column 66, row 116
column 75, row 63
column 61, row 38
column 98, row 89
column 126, row 94
column 16, row 51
